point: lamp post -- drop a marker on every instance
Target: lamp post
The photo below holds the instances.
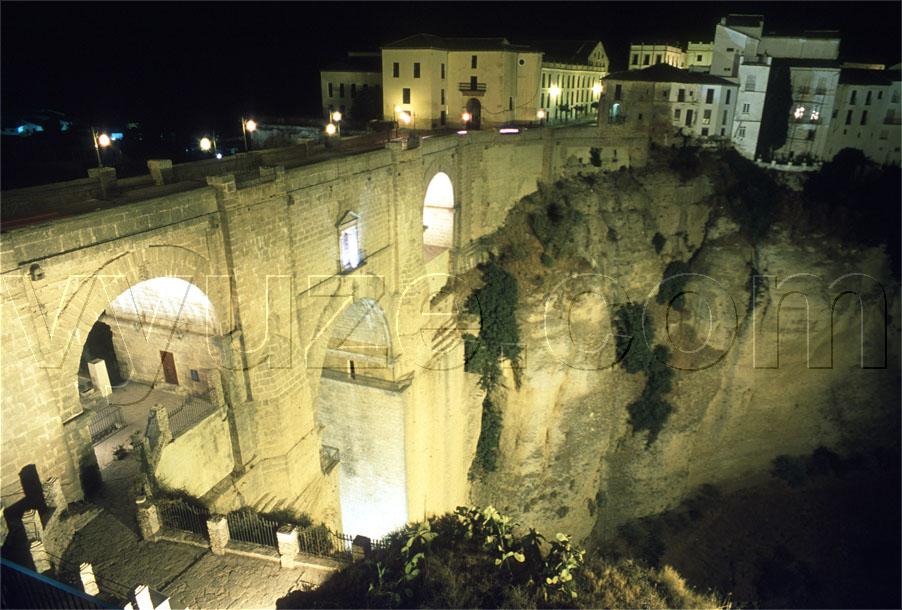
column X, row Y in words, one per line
column 336, row 118
column 466, row 117
column 249, row 125
column 208, row 144
column 101, row 140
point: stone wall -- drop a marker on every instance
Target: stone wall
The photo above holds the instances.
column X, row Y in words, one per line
column 198, row 459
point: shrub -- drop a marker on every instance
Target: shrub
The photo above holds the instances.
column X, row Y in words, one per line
column 489, row 436
column 670, row 291
column 791, row 469
column 650, row 411
column 553, row 225
column 595, row 156
column 632, row 327
column 686, row 163
column 547, row 260
column 658, row 242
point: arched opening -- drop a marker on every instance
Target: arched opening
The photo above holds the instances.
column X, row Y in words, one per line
column 154, row 344
column 438, row 216
column 474, row 107
column 360, row 409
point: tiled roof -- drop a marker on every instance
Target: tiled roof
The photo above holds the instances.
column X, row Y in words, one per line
column 564, row 51
column 664, row 73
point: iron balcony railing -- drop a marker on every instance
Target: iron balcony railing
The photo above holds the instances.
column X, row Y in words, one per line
column 471, row 87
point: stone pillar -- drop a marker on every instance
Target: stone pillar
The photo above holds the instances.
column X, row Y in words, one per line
column 34, row 529
column 289, row 546
column 53, row 494
column 142, row 598
column 99, row 377
column 218, row 529
column 148, row 518
column 160, row 170
column 106, row 176
column 39, row 556
column 88, row 582
column 360, row 548
column 162, row 416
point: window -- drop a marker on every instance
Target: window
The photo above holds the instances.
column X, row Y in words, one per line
column 542, row 102
column 618, row 92
column 750, row 82
column 704, row 131
column 416, row 69
column 745, row 109
column 681, row 95
column 724, row 121
column 405, row 95
column 396, row 70
column 853, row 96
column 349, row 241
column 864, row 117
column 740, row 133
column 723, row 131
column 443, row 117
column 709, row 96
column 635, row 59
column 510, row 103
column 353, row 90
column 341, row 90
column 330, row 90
column 880, row 95
column 698, row 58
column 706, row 117
column 867, row 99
column 473, row 83
column 809, row 135
column 676, row 114
column 521, row 61
column 727, row 100
column 195, row 376
column 821, row 88
column 473, row 62
column 849, row 117
column 443, row 71
column 658, row 58
column 646, row 59
column 443, row 97
column 730, row 49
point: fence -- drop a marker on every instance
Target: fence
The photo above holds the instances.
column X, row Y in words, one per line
column 323, row 542
column 180, row 515
column 104, row 421
column 248, row 526
column 191, row 411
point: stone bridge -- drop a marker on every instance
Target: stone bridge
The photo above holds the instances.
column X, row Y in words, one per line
column 311, row 290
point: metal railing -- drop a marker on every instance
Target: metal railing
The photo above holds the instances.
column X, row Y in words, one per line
column 180, row 515
column 328, row 458
column 478, row 87
column 248, row 526
column 323, row 542
column 24, row 588
column 105, row 420
column 190, row 412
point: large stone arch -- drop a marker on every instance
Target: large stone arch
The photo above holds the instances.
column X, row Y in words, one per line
column 439, row 215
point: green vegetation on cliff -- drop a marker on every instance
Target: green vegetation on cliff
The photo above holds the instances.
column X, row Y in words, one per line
column 480, row 559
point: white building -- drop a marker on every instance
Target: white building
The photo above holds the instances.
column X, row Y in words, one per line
column 643, row 55
column 698, row 56
column 342, row 81
column 571, row 78
column 430, row 81
column 867, row 115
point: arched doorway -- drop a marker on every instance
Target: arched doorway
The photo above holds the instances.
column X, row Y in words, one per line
column 360, row 409
column 155, row 343
column 474, row 107
column 438, row 216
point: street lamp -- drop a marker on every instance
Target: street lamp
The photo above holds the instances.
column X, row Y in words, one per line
column 466, row 117
column 330, row 129
column 208, row 144
column 100, row 141
column 540, row 115
column 596, row 89
column 554, row 91
column 249, row 125
column 336, row 118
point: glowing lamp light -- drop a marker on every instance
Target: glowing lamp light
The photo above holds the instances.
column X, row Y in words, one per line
column 462, row 132
column 799, row 112
column 250, row 125
column 815, row 115
column 596, row 89
column 330, row 129
column 405, row 118
column 466, row 116
column 554, row 91
column 397, row 109
column 508, row 130
column 104, row 140
column 206, row 144
column 540, row 114
column 336, row 116
column 219, row 155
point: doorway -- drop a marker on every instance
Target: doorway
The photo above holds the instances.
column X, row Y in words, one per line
column 689, row 118
column 475, row 110
column 169, row 374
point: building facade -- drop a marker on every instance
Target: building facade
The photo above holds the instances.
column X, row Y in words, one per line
column 698, row 56
column 867, row 115
column 643, row 55
column 341, row 82
column 572, row 72
column 429, row 82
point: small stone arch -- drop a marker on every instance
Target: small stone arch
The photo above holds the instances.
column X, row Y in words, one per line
column 438, row 215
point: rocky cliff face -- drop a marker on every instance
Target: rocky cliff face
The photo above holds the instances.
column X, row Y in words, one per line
column 569, row 458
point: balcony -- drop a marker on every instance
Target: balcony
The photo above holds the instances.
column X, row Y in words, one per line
column 471, row 88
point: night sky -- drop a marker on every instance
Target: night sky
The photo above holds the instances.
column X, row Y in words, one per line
column 192, row 63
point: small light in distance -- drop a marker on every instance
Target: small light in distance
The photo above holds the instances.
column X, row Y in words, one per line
column 251, row 125
column 330, row 129
column 405, row 118
column 466, row 116
column 508, row 130
column 206, row 144
column 104, row 140
column 462, row 132
column 540, row 114
column 596, row 88
column 219, row 155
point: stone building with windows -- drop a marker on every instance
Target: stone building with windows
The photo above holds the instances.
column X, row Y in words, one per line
column 643, row 55
column 666, row 102
column 571, row 78
column 698, row 56
column 342, row 81
column 867, row 115
column 429, row 82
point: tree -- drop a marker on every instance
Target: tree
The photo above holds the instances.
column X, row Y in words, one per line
column 775, row 114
